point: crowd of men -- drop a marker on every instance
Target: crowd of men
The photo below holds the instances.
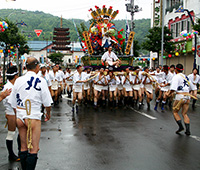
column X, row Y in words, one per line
column 44, row 86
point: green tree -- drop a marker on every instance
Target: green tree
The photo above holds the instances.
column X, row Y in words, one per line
column 56, row 58
column 136, row 48
column 196, row 26
column 153, row 42
column 12, row 37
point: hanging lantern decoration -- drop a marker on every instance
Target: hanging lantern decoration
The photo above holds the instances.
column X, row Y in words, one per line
column 184, row 51
column 144, row 59
column 154, row 59
column 164, row 57
column 3, row 26
column 169, row 55
column 135, row 59
column 139, row 59
column 177, row 54
column 193, row 48
column 1, row 51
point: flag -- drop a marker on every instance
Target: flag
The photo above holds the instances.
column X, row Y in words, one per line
column 127, row 30
column 78, row 35
column 181, row 9
column 23, row 23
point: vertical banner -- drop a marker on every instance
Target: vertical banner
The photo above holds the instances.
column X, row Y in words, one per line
column 88, row 43
column 129, row 43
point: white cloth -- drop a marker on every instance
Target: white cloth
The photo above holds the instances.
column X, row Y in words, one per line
column 136, row 86
column 159, row 76
column 181, row 96
column 112, row 83
column 61, row 74
column 78, row 86
column 136, row 82
column 69, row 78
column 193, row 79
column 181, row 83
column 32, row 87
column 85, row 77
column 98, row 87
column 101, row 81
column 109, row 57
column 128, row 87
column 148, row 88
column 119, row 82
column 9, row 110
column 127, row 84
column 167, row 79
column 55, row 79
column 46, row 77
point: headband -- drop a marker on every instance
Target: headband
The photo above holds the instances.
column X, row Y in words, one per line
column 179, row 69
column 12, row 74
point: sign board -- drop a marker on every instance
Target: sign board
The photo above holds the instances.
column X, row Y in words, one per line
column 88, row 43
column 129, row 42
column 38, row 32
column 198, row 50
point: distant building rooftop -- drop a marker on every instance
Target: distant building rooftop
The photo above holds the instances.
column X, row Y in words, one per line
column 39, row 45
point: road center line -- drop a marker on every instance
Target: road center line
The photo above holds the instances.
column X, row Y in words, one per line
column 65, row 97
column 144, row 114
column 195, row 137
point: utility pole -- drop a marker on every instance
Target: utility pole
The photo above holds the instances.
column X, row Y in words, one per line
column 162, row 41
column 132, row 9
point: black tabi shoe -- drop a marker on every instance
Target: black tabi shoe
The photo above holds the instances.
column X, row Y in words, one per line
column 179, row 130
column 188, row 133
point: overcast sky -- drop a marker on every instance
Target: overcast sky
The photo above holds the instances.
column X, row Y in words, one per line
column 78, row 8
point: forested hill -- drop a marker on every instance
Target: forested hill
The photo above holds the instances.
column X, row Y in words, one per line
column 46, row 22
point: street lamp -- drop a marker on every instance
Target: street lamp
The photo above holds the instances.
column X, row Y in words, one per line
column 181, row 10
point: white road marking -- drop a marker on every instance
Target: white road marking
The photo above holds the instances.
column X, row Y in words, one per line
column 65, row 97
column 144, row 114
column 195, row 137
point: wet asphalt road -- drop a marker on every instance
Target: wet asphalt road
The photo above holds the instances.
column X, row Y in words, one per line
column 122, row 139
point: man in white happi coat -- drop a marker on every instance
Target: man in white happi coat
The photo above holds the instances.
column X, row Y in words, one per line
column 112, row 83
column 136, row 80
column 99, row 82
column 78, row 80
column 34, row 88
column 127, row 85
column 12, row 75
column 165, row 87
column 182, row 86
column 148, row 88
column 69, row 80
column 110, row 58
column 195, row 79
column 55, row 83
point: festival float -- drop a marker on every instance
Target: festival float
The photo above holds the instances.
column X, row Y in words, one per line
column 101, row 34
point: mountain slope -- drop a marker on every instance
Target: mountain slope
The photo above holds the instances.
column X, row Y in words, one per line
column 46, row 22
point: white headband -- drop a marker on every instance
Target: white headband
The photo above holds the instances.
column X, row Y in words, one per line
column 8, row 74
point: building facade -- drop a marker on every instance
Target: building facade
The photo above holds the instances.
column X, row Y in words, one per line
column 177, row 23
